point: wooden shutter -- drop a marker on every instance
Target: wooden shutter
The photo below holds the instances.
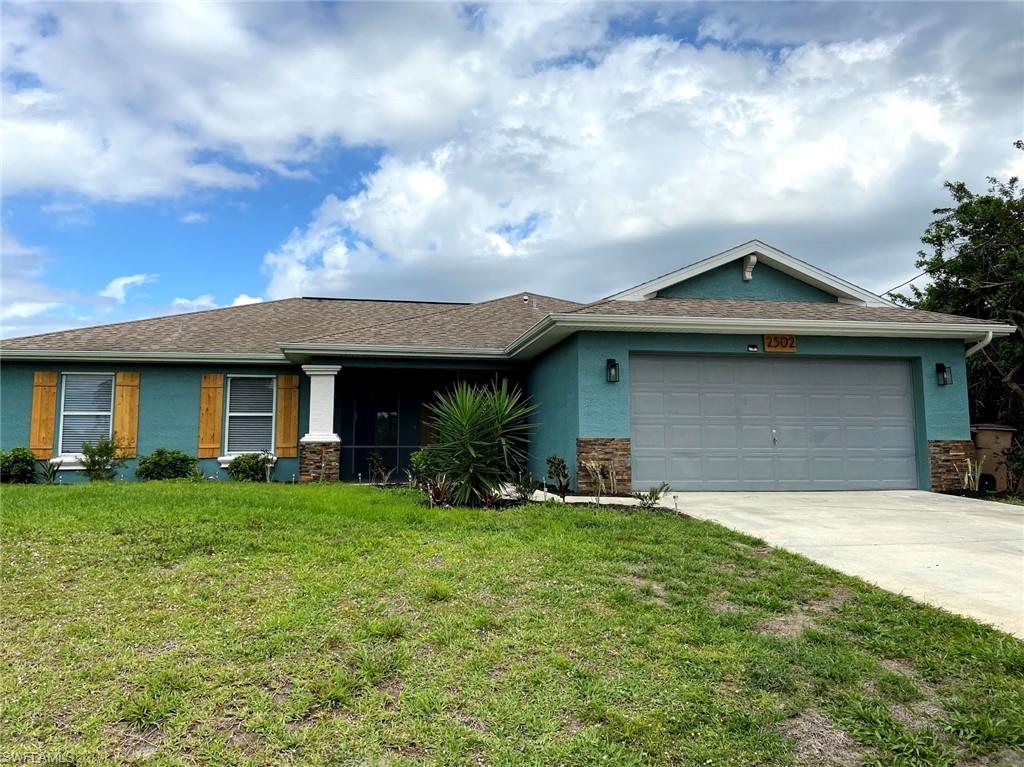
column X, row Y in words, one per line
column 287, row 438
column 44, row 413
column 211, row 414
column 126, row 413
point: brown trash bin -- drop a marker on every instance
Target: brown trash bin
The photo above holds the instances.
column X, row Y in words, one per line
column 993, row 443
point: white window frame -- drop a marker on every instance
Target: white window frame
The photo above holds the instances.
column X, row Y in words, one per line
column 226, row 457
column 74, row 460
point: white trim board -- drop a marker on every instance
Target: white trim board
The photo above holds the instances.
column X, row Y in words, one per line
column 845, row 291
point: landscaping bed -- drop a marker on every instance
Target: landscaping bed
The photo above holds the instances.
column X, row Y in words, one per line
column 236, row 623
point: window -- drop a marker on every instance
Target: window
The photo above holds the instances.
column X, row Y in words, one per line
column 87, row 410
column 250, row 424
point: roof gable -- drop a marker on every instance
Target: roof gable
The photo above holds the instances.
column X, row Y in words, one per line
column 751, row 256
column 731, row 282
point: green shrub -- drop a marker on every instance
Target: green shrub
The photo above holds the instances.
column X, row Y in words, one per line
column 251, row 467
column 101, row 460
column 17, row 466
column 48, row 471
column 558, row 472
column 166, row 464
column 482, row 434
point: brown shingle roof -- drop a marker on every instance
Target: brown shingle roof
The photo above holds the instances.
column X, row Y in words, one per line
column 768, row 310
column 490, row 325
column 249, row 329
column 487, row 325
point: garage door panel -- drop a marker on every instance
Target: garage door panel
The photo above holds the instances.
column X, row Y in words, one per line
column 650, row 436
column 648, row 403
column 823, row 405
column 684, row 468
column 707, row 423
column 718, row 403
column 789, row 404
column 893, row 406
column 715, row 436
column 647, row 370
column 684, row 437
column 755, row 404
column 683, row 403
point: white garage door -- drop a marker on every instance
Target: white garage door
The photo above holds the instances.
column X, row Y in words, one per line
column 738, row 423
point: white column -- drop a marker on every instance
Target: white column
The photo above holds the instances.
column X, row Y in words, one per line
column 321, row 403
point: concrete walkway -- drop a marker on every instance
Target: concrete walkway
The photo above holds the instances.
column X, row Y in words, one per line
column 961, row 554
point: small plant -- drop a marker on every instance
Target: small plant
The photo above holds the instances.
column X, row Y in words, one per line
column 970, row 477
column 251, row 467
column 421, row 467
column 48, row 471
column 438, row 490
column 524, row 487
column 377, row 469
column 482, row 434
column 166, row 464
column 651, row 498
column 559, row 475
column 596, row 472
column 437, row 592
column 102, row 459
column 17, row 466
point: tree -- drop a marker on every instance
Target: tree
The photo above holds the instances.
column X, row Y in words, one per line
column 976, row 265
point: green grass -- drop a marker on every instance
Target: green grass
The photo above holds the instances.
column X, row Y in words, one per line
column 245, row 624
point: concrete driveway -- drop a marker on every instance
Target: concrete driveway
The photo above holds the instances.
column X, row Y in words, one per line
column 961, row 554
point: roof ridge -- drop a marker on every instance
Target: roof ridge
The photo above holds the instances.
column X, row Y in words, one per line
column 448, row 308
column 150, row 319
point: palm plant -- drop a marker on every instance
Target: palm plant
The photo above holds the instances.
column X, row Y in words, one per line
column 482, row 436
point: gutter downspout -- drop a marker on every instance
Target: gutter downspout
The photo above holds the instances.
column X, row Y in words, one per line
column 980, row 345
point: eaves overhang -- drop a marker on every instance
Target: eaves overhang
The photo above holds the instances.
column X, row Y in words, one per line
column 556, row 327
column 302, row 352
column 227, row 358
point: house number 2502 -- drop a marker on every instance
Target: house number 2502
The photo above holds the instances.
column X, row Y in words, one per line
column 779, row 343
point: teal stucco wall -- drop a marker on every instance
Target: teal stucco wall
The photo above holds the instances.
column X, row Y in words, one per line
column 168, row 408
column 726, row 281
column 553, row 386
column 941, row 411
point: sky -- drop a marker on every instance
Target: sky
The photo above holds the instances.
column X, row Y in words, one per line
column 161, row 158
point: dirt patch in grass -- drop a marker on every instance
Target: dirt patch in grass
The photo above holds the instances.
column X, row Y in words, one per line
column 237, row 736
column 725, row 606
column 1005, row 758
column 466, row 720
column 819, row 743
column 647, row 587
column 136, row 745
column 805, row 616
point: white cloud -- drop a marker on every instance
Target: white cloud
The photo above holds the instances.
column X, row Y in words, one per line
column 20, row 310
column 117, row 288
column 194, row 217
column 526, row 144
column 205, row 301
column 242, row 299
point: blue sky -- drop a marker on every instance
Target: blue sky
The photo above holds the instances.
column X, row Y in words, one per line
column 161, row 158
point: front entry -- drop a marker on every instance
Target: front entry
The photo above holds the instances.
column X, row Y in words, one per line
column 737, row 423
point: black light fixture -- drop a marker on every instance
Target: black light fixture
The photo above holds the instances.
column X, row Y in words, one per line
column 611, row 370
column 943, row 374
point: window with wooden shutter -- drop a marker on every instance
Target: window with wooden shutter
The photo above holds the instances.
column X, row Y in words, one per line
column 126, row 413
column 42, row 427
column 250, row 421
column 87, row 410
column 211, row 411
column 287, row 427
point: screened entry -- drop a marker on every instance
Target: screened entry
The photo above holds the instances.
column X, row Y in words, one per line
column 386, row 411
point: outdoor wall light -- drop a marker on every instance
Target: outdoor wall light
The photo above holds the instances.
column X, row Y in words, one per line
column 611, row 370
column 943, row 374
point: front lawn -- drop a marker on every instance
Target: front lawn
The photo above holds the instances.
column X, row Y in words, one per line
column 247, row 624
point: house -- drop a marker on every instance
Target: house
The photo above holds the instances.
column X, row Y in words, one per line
column 749, row 370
